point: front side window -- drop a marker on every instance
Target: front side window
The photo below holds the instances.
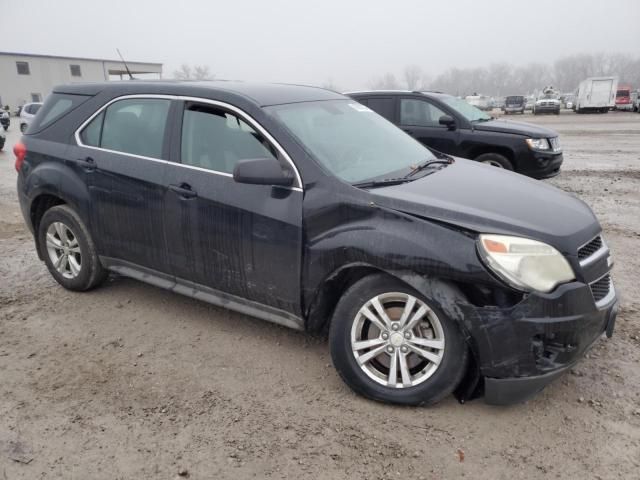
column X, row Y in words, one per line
column 75, row 70
column 419, row 113
column 350, row 140
column 23, row 68
column 134, row 126
column 215, row 139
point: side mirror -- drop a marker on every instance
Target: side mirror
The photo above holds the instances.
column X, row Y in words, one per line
column 448, row 121
column 261, row 171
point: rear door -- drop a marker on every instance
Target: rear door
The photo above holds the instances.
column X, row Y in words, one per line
column 123, row 150
column 240, row 239
column 600, row 93
column 420, row 118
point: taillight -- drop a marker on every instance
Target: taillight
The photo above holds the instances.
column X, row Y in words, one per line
column 20, row 151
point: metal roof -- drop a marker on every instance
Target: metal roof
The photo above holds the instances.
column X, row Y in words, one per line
column 38, row 55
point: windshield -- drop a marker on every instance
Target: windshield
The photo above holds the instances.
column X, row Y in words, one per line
column 350, row 140
column 622, row 93
column 469, row 112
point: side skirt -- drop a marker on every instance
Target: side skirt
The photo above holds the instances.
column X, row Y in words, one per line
column 201, row 292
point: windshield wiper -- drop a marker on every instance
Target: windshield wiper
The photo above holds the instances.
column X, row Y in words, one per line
column 483, row 119
column 442, row 160
column 381, row 183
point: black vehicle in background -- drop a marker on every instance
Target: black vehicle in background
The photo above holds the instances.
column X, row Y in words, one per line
column 452, row 126
column 514, row 104
column 303, row 207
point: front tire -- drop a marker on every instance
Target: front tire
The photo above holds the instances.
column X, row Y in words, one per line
column 392, row 344
column 495, row 160
column 68, row 250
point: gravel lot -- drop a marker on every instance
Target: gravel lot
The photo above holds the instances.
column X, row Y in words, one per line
column 130, row 381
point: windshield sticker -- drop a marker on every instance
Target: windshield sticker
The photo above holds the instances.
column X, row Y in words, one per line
column 359, row 107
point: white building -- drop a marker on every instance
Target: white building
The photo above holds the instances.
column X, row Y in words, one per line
column 26, row 77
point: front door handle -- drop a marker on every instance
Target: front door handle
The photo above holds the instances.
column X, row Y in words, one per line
column 184, row 190
column 88, row 163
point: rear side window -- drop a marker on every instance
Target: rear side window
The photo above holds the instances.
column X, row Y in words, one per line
column 382, row 106
column 134, row 126
column 55, row 106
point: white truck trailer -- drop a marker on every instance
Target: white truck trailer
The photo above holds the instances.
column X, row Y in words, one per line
column 596, row 94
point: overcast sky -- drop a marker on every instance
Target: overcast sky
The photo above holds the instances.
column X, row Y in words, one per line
column 305, row 41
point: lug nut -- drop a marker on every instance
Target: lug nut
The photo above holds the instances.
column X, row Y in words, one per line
column 390, row 349
column 394, row 326
column 385, row 336
column 407, row 335
column 404, row 349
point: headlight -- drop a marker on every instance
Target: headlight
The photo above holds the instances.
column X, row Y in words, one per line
column 538, row 143
column 523, row 263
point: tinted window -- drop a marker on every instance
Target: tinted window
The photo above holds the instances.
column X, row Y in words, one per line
column 23, row 68
column 383, row 106
column 215, row 139
column 56, row 105
column 75, row 70
column 91, row 134
column 133, row 126
column 419, row 113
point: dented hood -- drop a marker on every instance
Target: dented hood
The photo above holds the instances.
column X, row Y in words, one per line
column 487, row 199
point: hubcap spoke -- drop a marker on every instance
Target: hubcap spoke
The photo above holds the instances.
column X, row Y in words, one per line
column 427, row 342
column 53, row 241
column 392, row 378
column 417, row 317
column 74, row 265
column 404, row 370
column 374, row 342
column 408, row 308
column 372, row 317
column 61, row 232
column 432, row 357
column 380, row 309
column 370, row 355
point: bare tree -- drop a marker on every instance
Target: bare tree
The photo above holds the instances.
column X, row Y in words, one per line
column 198, row 72
column 412, row 77
column 329, row 84
column 386, row 82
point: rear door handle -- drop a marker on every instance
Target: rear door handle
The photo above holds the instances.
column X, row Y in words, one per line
column 88, row 163
column 184, row 190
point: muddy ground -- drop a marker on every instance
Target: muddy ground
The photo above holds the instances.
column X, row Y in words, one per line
column 132, row 382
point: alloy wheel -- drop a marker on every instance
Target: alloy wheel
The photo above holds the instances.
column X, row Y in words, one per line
column 64, row 250
column 397, row 340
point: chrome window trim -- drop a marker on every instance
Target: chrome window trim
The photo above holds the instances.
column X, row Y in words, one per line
column 246, row 117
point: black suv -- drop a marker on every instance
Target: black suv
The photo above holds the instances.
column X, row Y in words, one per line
column 301, row 206
column 452, row 126
column 514, row 104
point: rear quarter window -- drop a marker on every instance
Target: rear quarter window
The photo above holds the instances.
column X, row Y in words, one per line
column 55, row 106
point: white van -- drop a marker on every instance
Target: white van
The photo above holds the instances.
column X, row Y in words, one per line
column 596, row 94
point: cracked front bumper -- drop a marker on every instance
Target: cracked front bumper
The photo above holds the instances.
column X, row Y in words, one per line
column 522, row 349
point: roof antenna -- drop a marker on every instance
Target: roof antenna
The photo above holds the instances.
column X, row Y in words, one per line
column 125, row 65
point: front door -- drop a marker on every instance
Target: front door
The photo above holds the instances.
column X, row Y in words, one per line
column 240, row 239
column 122, row 150
column 421, row 119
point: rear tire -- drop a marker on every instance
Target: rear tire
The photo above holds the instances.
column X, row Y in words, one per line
column 495, row 160
column 400, row 372
column 68, row 250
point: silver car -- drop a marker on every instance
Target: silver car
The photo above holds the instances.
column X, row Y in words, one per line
column 28, row 111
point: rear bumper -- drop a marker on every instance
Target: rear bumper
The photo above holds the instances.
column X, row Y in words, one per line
column 514, row 109
column 520, row 350
column 624, row 106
